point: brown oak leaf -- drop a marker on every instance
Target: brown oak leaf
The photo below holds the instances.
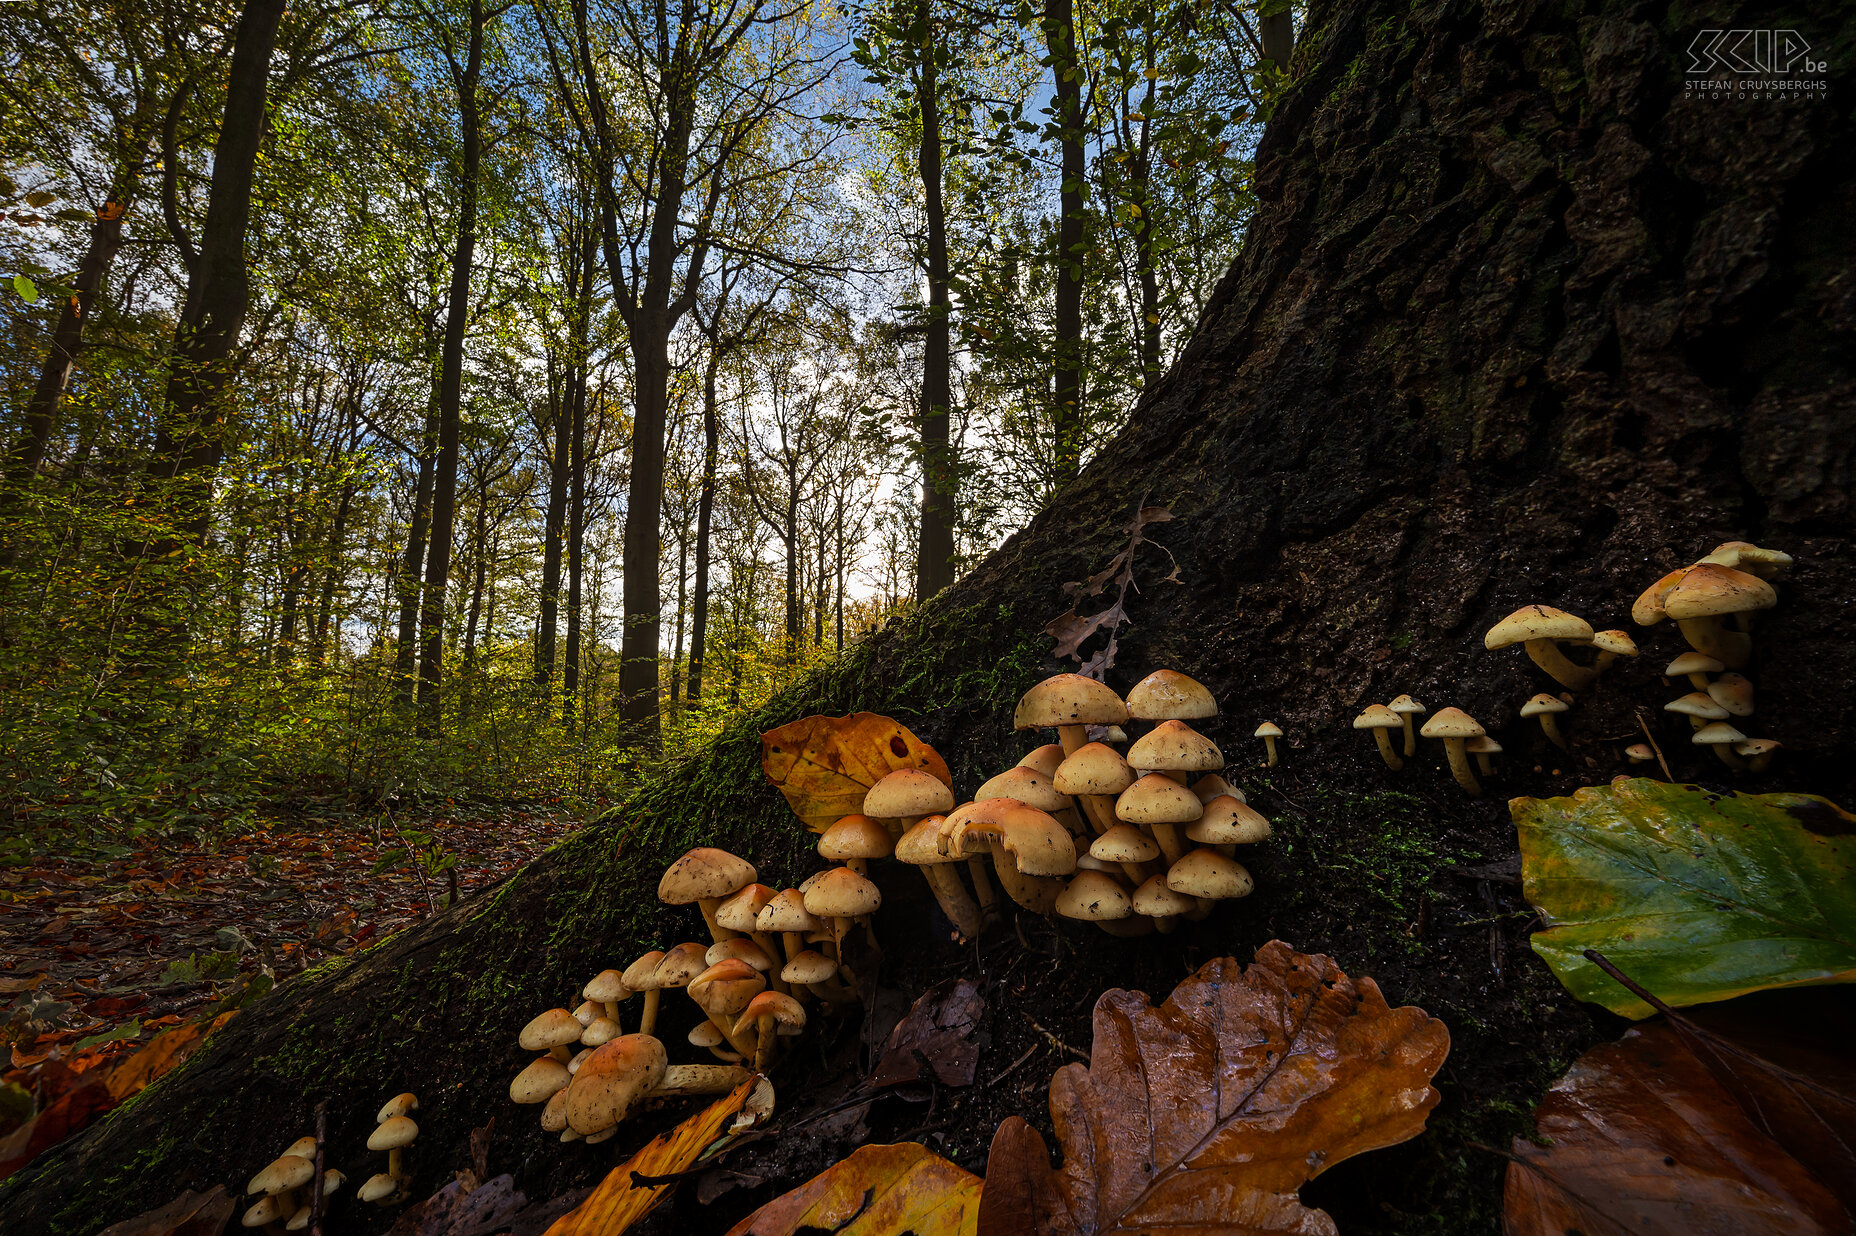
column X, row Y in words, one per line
column 1208, row 1112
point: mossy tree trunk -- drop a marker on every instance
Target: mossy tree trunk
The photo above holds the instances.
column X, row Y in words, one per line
column 1519, row 321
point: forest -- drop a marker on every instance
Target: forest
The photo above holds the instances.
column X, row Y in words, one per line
column 1323, row 528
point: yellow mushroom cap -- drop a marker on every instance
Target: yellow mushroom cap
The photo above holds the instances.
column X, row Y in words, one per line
column 1378, row 717
column 854, row 836
column 639, row 974
column 1693, row 663
column 1717, row 734
column 1154, row 899
column 1734, row 692
column 1266, row 730
column 1045, row 758
column 1124, row 843
column 611, row 1080
column 741, row 949
column 1228, row 822
column 786, row 911
column 1155, row 799
column 784, row 1010
column 908, row 792
column 1537, row 622
column 725, row 988
column 1483, row 746
column 1207, row 873
column 1617, row 643
column 1038, row 843
column 921, row 845
column 1094, row 896
column 267, row 1209
column 810, row 966
column 1758, row 746
column 1451, row 723
column 704, row 874
column 1168, row 695
column 1746, row 556
column 1068, row 699
column 602, row 1030
column 1697, row 704
column 1211, row 786
column 1027, row 785
column 681, row 965
column 1639, row 752
column 305, row 1147
column 398, row 1131
column 284, row 1173
column 1094, row 768
column 1647, row 609
column 705, row 1033
column 1539, row 704
column 842, row 893
column 1708, row 591
column 1174, row 746
column 378, row 1186
column 1404, row 704
column 608, row 986
column 554, row 1111
column 739, row 909
column 541, row 1080
column 554, row 1028
column 398, row 1105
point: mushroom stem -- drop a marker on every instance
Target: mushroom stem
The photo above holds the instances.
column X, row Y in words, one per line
column 612, row 1009
column 1459, row 765
column 559, row 1052
column 1484, row 764
column 716, row 930
column 767, row 946
column 763, row 1047
column 1168, row 925
column 860, row 865
column 1100, row 809
column 1137, row 872
column 951, row 894
column 680, row 1079
column 989, row 903
column 393, row 1165
column 1547, row 656
column 1384, row 739
column 649, row 1022
column 1411, row 736
column 1708, row 637
column 1552, row 730
column 1269, row 744
column 1167, row 837
column 741, row 1042
column 1725, row 751
column 1073, row 737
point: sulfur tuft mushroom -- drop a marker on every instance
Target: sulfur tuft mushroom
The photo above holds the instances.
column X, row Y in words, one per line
column 1269, row 734
column 1456, row 727
column 920, row 847
column 856, row 839
column 1161, row 804
column 1094, row 896
column 840, row 896
column 1380, row 720
column 1721, row 737
column 1168, row 695
column 769, row 1012
column 1546, row 707
column 906, row 795
column 1540, row 629
column 554, row 1032
column 1611, row 645
column 1484, row 749
column 1639, row 753
column 1407, row 708
column 1030, row 849
column 1127, row 847
column 1757, row 752
column 1695, row 667
column 1704, row 596
column 1698, row 707
column 1734, row 692
column 1070, row 704
column 1095, row 773
column 609, row 990
column 612, row 1081
column 1044, row 759
column 705, row 876
column 722, row 991
column 640, row 976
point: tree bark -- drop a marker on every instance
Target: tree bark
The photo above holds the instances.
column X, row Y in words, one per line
column 1067, row 343
column 451, row 380
column 576, row 532
column 405, row 650
column 1518, row 320
column 934, row 558
column 191, row 441
column 705, row 508
column 552, row 529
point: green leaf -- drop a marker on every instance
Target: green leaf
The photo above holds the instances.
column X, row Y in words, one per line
column 28, row 292
column 1697, row 896
column 131, row 1029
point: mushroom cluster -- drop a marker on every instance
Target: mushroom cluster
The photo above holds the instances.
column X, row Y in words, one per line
column 284, row 1190
column 1545, row 633
column 394, row 1131
column 1131, row 842
column 1461, row 734
column 1713, row 601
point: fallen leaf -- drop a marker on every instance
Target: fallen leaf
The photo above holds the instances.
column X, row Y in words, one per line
column 938, row 1030
column 877, row 1191
column 163, row 1053
column 72, row 1112
column 457, row 1211
column 1697, row 896
column 9, row 984
column 618, row 1201
column 190, row 1214
column 825, row 765
column 1644, row 1140
column 1211, row 1110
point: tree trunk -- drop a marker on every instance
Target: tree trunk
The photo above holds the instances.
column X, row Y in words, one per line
column 545, row 632
column 1067, row 344
column 705, row 507
column 934, row 557
column 451, row 382
column 191, row 440
column 1518, row 320
column 405, row 651
column 1278, row 34
column 576, row 531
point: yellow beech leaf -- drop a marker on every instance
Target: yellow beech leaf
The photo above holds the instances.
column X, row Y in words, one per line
column 163, row 1053
column 618, row 1202
column 825, row 765
column 877, row 1191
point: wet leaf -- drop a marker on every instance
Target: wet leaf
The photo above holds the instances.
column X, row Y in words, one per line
column 1696, row 896
column 619, row 1201
column 1209, row 1111
column 938, row 1032
column 162, row 1054
column 877, row 1191
column 1644, row 1140
column 825, row 765
column 72, row 1112
column 190, row 1214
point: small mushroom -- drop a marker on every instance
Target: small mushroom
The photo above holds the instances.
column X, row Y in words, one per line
column 818, row 974
column 1456, row 727
column 540, row 1081
column 905, row 796
column 785, row 915
column 609, row 989
column 722, row 991
column 741, row 912
column 1160, row 804
column 1484, row 749
column 398, row 1105
column 768, row 1011
column 554, row 1032
column 1168, row 695
column 267, row 1210
column 1160, row 903
column 1722, row 737
column 1407, row 708
column 1129, row 848
column 1269, row 734
column 1639, row 753
column 1227, row 824
column 1734, row 692
column 1070, row 704
column 705, row 876
column 380, row 1188
column 1209, row 876
column 1748, row 557
column 1380, row 719
column 612, row 1081
column 1699, row 708
column 639, row 976
column 1541, row 629
column 841, row 896
column 1611, row 645
column 1647, row 609
column 1044, row 759
column 1094, row 896
column 1211, row 786
column 1545, row 707
column 1175, row 748
column 393, row 1136
column 1757, row 752
column 1095, row 773
column 920, row 847
column 1705, row 595
column 1695, row 667
column 705, row 1034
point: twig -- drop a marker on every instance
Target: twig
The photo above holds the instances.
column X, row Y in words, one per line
column 412, row 860
column 1661, row 762
column 1054, row 1041
column 1029, row 1052
column 315, row 1182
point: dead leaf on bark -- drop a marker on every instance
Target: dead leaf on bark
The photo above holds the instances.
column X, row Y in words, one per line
column 938, row 1030
column 457, row 1211
column 1645, row 1140
column 620, row 1201
column 877, row 1191
column 1211, row 1110
column 190, row 1214
column 825, row 765
column 1072, row 630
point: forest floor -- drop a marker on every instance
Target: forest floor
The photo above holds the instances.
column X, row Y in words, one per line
column 98, row 954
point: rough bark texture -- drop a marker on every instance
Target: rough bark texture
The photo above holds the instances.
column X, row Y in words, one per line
column 1518, row 322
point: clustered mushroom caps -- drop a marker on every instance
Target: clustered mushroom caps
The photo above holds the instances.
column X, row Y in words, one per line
column 285, row 1190
column 394, row 1131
